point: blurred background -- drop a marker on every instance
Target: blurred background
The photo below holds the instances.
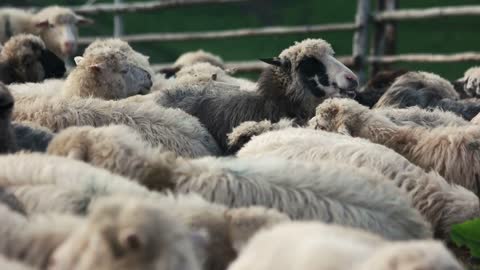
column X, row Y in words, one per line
column 446, row 35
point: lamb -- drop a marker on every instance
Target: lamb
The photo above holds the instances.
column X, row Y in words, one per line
column 25, row 59
column 57, row 26
column 303, row 191
column 426, row 90
column 371, row 92
column 191, row 58
column 107, row 239
column 451, row 151
column 298, row 80
column 308, row 246
column 172, row 128
column 442, row 204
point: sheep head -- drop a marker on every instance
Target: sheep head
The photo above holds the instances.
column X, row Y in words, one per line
column 470, row 82
column 108, row 75
column 309, row 68
column 29, row 60
column 339, row 115
column 58, row 27
column 124, row 233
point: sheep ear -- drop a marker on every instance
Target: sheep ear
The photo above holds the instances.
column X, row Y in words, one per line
column 96, row 67
column 344, row 130
column 76, row 154
column 83, row 20
column 169, row 71
column 42, row 24
column 275, row 61
column 78, row 60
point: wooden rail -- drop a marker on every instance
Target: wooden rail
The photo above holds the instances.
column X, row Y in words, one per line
column 422, row 14
column 246, row 32
column 430, row 58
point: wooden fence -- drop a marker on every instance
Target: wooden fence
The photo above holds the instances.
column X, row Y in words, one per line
column 385, row 19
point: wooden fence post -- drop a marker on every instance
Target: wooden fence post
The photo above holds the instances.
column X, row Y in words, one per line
column 360, row 40
column 385, row 34
column 117, row 22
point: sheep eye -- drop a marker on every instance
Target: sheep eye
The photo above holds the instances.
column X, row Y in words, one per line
column 310, row 67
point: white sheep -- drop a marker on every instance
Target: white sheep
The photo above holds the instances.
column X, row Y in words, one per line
column 317, row 246
column 303, row 191
column 442, row 204
column 298, row 80
column 57, row 26
column 191, row 58
column 451, row 151
column 172, row 128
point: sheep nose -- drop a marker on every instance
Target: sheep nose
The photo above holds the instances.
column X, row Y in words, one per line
column 352, row 81
column 69, row 46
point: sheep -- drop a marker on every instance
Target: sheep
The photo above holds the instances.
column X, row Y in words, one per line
column 468, row 86
column 25, row 59
column 191, row 58
column 8, row 142
column 299, row 79
column 451, row 151
column 107, row 239
column 442, row 204
column 303, row 191
column 203, row 74
column 371, row 92
column 57, row 26
column 172, row 128
column 426, row 90
column 308, row 246
column 106, row 75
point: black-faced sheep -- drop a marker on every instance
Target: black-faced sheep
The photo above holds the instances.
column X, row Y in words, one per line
column 469, row 85
column 451, row 151
column 25, row 59
column 442, row 204
column 191, row 58
column 57, row 26
column 426, row 90
column 172, row 128
column 313, row 246
column 371, row 92
column 303, row 191
column 298, row 80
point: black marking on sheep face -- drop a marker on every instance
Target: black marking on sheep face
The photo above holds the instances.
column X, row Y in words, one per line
column 313, row 74
column 53, row 66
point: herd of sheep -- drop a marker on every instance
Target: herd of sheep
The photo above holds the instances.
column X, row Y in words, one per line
column 114, row 167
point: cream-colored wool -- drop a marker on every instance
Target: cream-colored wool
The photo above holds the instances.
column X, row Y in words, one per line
column 417, row 117
column 451, row 151
column 200, row 56
column 316, row 189
column 172, row 128
column 313, row 246
column 442, row 204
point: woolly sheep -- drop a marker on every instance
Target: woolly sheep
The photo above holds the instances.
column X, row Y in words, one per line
column 371, row 92
column 172, row 128
column 57, row 26
column 299, row 79
column 442, row 204
column 451, row 151
column 203, row 74
column 426, row 90
column 310, row 246
column 74, row 187
column 25, row 59
column 108, row 239
column 106, row 75
column 191, row 58
column 315, row 188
